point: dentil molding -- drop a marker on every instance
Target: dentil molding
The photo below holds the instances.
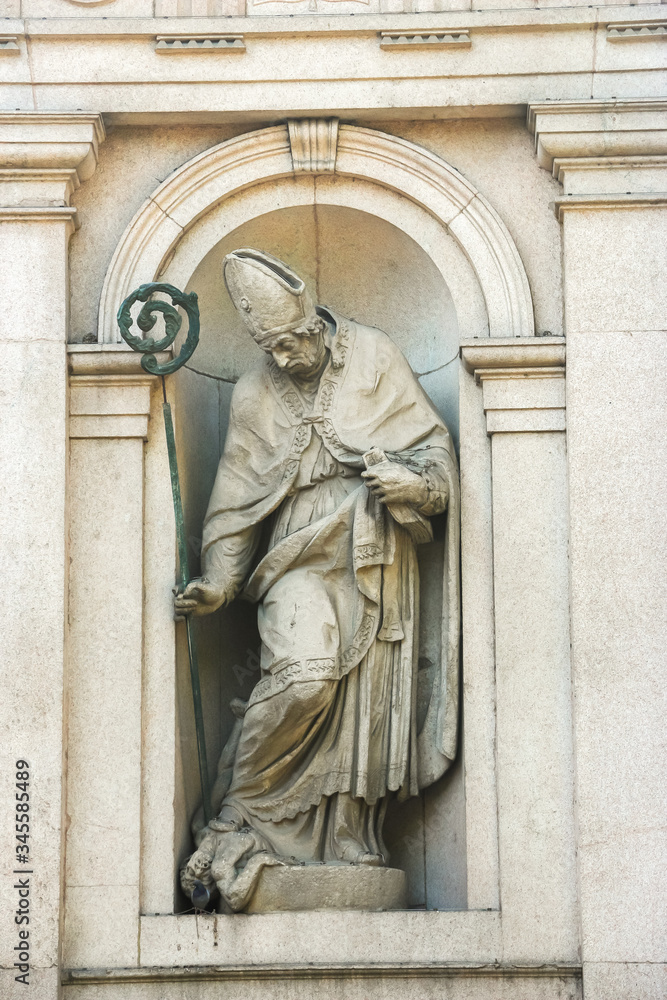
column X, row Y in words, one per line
column 191, row 42
column 425, row 40
column 9, row 45
column 636, row 31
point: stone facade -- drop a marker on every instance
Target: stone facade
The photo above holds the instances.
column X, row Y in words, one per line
column 497, row 206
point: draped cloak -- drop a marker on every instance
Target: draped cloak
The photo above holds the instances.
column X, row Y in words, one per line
column 338, row 596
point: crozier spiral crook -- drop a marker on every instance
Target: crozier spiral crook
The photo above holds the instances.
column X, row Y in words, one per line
column 172, row 322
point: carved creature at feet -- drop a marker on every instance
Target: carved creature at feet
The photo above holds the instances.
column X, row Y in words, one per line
column 231, row 862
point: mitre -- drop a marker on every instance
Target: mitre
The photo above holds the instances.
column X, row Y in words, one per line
column 270, row 297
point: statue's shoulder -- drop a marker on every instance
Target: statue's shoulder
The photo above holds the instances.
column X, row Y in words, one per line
column 375, row 348
column 251, row 387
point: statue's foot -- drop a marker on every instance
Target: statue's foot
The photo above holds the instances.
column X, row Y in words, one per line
column 375, row 860
column 356, row 855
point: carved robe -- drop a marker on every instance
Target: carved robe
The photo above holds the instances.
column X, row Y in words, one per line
column 330, row 728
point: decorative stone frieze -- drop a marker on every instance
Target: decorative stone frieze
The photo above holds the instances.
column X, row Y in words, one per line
column 172, row 44
column 9, row 45
column 313, row 143
column 636, row 31
column 200, row 8
column 432, row 40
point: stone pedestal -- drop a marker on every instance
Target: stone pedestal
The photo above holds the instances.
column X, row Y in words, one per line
column 329, row 887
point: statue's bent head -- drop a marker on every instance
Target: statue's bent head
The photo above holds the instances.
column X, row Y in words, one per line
column 270, row 297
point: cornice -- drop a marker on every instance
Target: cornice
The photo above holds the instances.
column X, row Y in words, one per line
column 44, row 156
column 598, row 107
column 428, row 22
column 607, row 202
column 319, row 972
column 63, row 119
column 523, row 383
column 37, row 213
column 590, row 163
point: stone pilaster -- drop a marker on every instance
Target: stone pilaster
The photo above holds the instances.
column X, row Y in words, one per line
column 611, row 158
column 110, row 398
column 524, row 401
column 120, row 845
column 43, row 157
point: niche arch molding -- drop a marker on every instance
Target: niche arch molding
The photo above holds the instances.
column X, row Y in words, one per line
column 264, row 156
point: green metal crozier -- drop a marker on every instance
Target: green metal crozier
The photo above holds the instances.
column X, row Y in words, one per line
column 149, row 348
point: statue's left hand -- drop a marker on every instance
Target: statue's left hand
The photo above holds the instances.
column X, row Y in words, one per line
column 393, row 483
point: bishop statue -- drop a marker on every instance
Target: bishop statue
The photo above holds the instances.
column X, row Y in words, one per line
column 335, row 463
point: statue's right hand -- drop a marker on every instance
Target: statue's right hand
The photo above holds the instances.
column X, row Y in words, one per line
column 200, row 597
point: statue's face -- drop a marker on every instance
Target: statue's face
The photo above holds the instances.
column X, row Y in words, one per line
column 296, row 353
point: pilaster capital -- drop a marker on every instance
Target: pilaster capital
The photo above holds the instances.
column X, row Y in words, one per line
column 574, row 129
column 606, row 154
column 44, row 157
column 110, row 393
column 523, row 382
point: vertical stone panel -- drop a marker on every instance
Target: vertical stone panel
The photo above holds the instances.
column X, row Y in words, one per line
column 104, row 702
column 523, row 396
column 611, row 161
column 534, row 752
column 479, row 683
column 617, row 387
column 35, row 226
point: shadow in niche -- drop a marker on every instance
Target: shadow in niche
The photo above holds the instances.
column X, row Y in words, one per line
column 367, row 269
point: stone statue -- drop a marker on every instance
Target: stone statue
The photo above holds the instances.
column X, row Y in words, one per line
column 334, row 445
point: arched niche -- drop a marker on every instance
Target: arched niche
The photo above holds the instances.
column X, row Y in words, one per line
column 395, row 237
column 398, row 174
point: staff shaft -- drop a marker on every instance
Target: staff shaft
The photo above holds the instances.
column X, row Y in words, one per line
column 184, row 575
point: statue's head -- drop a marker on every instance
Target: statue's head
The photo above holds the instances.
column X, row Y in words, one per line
column 276, row 307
